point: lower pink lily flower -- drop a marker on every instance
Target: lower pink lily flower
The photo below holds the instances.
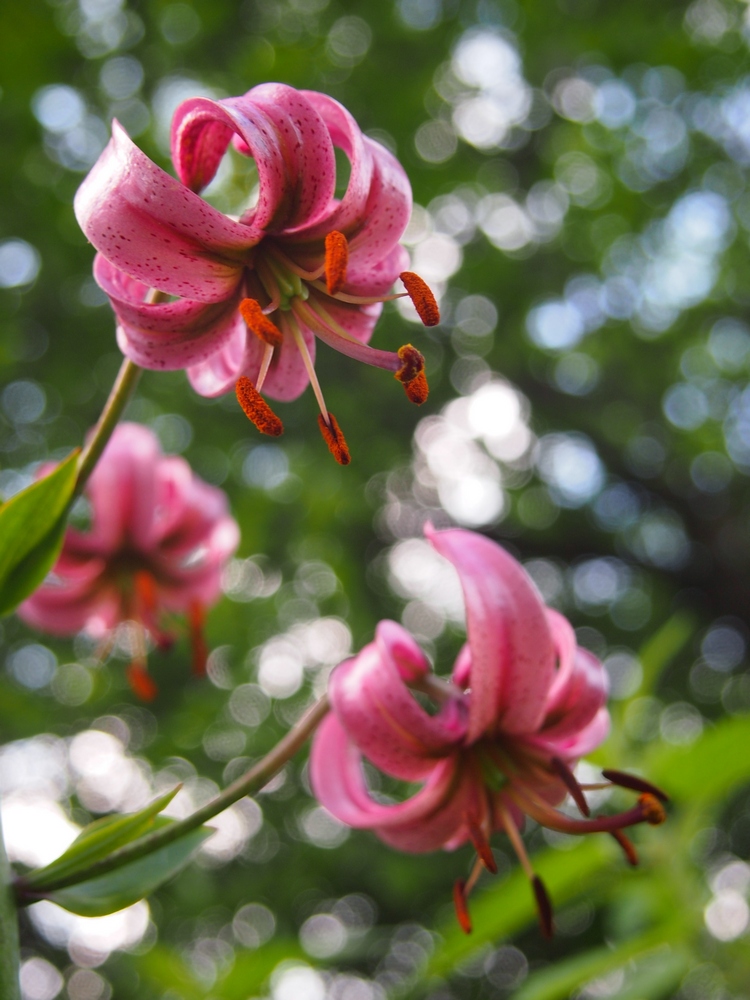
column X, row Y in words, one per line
column 241, row 302
column 524, row 704
column 158, row 541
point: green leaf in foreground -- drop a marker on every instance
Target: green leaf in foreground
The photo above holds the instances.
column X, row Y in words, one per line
column 32, row 527
column 126, row 885
column 558, row 981
column 99, row 839
column 708, row 770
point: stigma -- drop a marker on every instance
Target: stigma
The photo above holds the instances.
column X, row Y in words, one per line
column 296, row 298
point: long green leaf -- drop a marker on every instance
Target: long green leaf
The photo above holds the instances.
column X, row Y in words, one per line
column 663, row 646
column 32, row 528
column 707, row 770
column 126, row 885
column 99, row 839
column 504, row 909
column 559, row 980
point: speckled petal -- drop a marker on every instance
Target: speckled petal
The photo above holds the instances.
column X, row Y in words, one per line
column 384, row 718
column 425, row 821
column 512, row 655
column 155, row 229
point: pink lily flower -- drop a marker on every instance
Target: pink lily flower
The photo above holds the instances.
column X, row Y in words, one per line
column 239, row 303
column 525, row 702
column 158, row 541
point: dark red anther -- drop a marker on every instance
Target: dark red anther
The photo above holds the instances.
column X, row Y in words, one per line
column 570, row 781
column 634, row 783
column 544, row 906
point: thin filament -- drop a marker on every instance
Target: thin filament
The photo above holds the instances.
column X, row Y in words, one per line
column 309, row 366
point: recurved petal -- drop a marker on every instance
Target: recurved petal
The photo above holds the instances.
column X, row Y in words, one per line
column 155, row 229
column 512, row 655
column 65, row 610
column 165, row 336
column 584, row 693
column 122, row 489
column 346, row 216
column 395, row 642
column 426, row 820
column 387, row 211
column 580, row 742
column 384, row 719
column 376, row 277
column 241, row 354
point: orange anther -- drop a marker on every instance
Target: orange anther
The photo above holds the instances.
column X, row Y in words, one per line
column 142, row 683
column 411, row 374
column 337, row 259
column 652, row 809
column 256, row 408
column 421, row 295
column 259, row 324
column 334, row 438
column 145, row 588
column 461, row 904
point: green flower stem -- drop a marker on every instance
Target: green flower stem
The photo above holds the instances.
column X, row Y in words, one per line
column 9, row 985
column 119, row 397
column 31, row 889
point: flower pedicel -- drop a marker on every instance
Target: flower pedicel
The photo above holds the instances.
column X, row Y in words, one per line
column 525, row 702
column 250, row 296
column 158, row 542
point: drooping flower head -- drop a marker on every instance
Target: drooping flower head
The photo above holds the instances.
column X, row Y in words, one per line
column 249, row 296
column 157, row 543
column 525, row 702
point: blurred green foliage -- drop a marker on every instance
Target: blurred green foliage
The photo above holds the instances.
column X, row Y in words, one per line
column 580, row 174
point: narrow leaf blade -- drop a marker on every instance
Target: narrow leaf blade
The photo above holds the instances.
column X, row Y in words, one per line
column 99, row 839
column 125, row 886
column 32, row 528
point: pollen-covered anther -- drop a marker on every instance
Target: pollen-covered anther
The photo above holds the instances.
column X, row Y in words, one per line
column 256, row 409
column 421, row 295
column 258, row 323
column 411, row 374
column 334, row 438
column 652, row 809
column 336, row 261
column 461, row 905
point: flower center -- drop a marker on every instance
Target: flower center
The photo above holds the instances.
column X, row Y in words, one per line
column 298, row 298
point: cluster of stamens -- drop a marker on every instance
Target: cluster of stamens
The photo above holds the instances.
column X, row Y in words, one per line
column 143, row 616
column 648, row 809
column 299, row 297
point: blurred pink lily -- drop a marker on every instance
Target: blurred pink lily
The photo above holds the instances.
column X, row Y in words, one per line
column 524, row 704
column 158, row 542
column 251, row 295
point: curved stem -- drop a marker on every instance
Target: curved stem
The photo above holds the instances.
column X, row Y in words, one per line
column 9, row 983
column 253, row 781
column 119, row 397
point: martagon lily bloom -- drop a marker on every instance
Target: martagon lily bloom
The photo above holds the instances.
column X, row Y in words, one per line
column 158, row 541
column 248, row 297
column 525, row 702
